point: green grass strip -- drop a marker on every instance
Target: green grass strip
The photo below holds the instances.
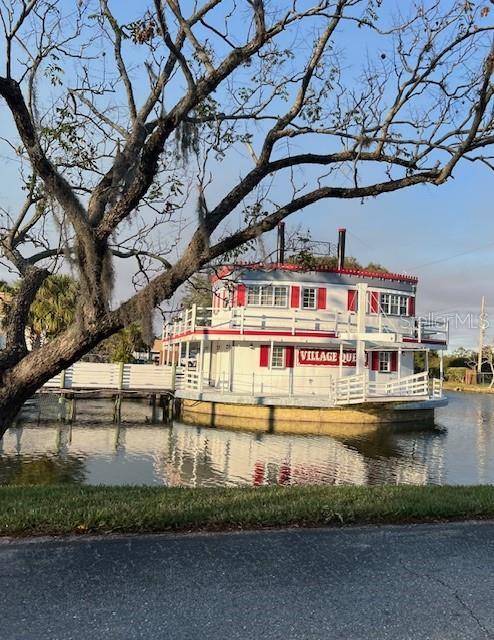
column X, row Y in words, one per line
column 54, row 510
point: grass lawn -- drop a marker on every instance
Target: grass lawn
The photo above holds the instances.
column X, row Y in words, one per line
column 42, row 510
column 469, row 388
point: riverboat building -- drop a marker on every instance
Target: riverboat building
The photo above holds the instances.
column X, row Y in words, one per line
column 281, row 335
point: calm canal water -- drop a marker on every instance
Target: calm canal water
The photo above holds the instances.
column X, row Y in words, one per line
column 460, row 450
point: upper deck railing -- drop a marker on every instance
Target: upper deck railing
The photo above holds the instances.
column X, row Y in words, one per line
column 295, row 321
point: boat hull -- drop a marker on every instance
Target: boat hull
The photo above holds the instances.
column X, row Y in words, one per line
column 285, row 418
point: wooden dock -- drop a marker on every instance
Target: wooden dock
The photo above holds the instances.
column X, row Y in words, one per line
column 116, row 382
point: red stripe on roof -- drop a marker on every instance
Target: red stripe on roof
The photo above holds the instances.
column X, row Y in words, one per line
column 227, row 270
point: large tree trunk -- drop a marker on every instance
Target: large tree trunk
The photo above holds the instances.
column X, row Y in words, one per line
column 10, row 405
column 23, row 380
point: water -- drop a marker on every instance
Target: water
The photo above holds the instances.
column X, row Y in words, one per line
column 460, row 450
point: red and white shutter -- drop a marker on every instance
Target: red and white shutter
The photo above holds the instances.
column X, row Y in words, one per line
column 375, row 360
column 411, row 306
column 321, row 298
column 264, row 357
column 373, row 302
column 241, row 295
column 394, row 361
column 295, row 297
column 352, row 300
column 289, row 357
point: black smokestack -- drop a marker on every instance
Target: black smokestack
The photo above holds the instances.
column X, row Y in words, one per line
column 341, row 248
column 281, row 243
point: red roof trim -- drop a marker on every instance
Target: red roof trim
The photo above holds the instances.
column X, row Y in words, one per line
column 225, row 271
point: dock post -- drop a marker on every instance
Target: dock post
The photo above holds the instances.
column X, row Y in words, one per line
column 61, row 398
column 153, row 408
column 171, row 409
column 62, row 409
column 161, row 403
column 72, row 409
column 117, row 409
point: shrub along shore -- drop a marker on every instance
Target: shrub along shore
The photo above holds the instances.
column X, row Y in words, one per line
column 68, row 509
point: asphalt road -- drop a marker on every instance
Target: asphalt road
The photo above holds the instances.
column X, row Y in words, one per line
column 425, row 581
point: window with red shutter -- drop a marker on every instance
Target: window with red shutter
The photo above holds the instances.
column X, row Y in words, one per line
column 411, row 306
column 352, row 300
column 321, row 298
column 295, row 297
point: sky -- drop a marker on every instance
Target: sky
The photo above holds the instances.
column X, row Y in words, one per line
column 444, row 235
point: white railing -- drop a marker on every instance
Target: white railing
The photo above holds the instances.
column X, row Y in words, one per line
column 338, row 391
column 355, row 389
column 414, row 385
column 190, row 380
column 97, row 375
column 244, row 319
column 349, row 389
column 432, row 329
column 437, row 388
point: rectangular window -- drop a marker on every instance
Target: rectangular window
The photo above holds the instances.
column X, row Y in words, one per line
column 308, row 298
column 385, row 361
column 278, row 358
column 253, row 293
column 280, row 296
column 393, row 304
column 267, row 295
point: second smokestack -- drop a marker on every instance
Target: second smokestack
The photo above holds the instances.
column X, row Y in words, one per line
column 281, row 243
column 341, row 247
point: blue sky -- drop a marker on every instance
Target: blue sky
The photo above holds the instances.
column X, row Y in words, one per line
column 421, row 231
column 443, row 235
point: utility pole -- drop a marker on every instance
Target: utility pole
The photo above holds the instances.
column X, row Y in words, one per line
column 481, row 334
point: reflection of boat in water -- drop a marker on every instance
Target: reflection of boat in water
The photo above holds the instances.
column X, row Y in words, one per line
column 200, row 457
column 193, row 456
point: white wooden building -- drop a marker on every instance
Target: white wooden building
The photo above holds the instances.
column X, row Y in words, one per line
column 322, row 337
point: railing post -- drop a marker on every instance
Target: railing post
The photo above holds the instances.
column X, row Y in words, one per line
column 193, row 317
column 173, row 381
column 200, row 368
column 242, row 319
column 120, row 374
